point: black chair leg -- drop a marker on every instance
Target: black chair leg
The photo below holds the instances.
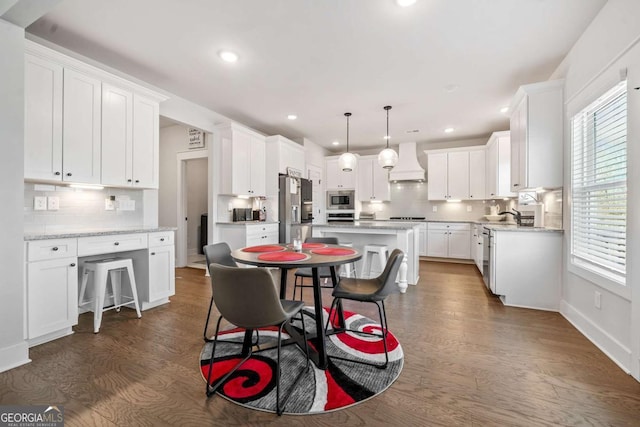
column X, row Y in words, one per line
column 281, row 405
column 206, row 325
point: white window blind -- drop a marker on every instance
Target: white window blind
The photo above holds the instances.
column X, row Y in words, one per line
column 599, row 185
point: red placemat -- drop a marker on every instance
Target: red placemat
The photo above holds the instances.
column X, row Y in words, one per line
column 283, row 256
column 333, row 251
column 264, row 248
column 313, row 245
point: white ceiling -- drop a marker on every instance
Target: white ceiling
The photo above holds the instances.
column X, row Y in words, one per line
column 321, row 58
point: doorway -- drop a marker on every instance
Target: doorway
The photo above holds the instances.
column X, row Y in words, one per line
column 314, row 174
column 192, row 212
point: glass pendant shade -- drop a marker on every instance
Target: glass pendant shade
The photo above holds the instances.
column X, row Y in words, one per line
column 388, row 158
column 347, row 162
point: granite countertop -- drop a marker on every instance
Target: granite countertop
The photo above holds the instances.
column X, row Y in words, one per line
column 246, row 222
column 514, row 227
column 501, row 225
column 71, row 233
column 378, row 225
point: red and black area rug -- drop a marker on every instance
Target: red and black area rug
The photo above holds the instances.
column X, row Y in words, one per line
column 343, row 384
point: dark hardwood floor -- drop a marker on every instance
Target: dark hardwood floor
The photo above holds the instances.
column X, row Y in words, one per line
column 468, row 361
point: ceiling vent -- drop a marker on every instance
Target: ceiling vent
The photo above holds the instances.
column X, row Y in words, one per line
column 407, row 168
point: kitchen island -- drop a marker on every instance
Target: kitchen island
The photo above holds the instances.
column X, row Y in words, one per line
column 396, row 235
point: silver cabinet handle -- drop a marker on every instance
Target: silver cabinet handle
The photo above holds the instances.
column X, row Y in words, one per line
column 162, row 239
column 55, row 248
column 116, row 243
column 153, row 253
column 73, row 264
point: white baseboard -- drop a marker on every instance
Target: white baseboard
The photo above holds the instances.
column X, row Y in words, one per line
column 614, row 349
column 14, row 356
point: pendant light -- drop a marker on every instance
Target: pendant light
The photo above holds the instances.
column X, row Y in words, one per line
column 347, row 161
column 388, row 157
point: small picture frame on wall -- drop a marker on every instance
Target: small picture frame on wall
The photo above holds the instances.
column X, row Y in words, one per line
column 196, row 138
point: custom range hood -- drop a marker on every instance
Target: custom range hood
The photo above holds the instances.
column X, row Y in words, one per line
column 407, row 168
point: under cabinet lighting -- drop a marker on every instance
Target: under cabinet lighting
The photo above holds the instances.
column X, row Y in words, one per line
column 87, row 186
column 242, row 196
column 454, row 201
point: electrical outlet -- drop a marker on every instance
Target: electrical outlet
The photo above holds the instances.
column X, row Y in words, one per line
column 53, row 203
column 597, row 299
column 109, row 204
column 434, row 208
column 469, row 208
column 39, row 203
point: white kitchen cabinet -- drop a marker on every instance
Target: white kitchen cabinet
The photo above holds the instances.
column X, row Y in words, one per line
column 373, row 181
column 62, row 123
column 449, row 240
column 457, row 174
column 282, row 154
column 242, row 235
column 423, row 239
column 477, row 175
column 161, row 267
column 130, row 139
column 499, row 166
column 536, row 136
column 51, row 289
column 477, row 251
column 336, row 178
column 243, row 170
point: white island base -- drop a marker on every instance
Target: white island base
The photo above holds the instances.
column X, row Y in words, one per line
column 403, row 236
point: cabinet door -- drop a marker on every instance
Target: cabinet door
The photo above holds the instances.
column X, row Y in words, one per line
column 437, row 243
column 365, row 180
column 437, row 176
column 145, row 157
column 257, row 170
column 348, row 179
column 460, row 244
column 162, row 278
column 42, row 119
column 117, row 136
column 458, row 175
column 423, row 241
column 332, row 174
column 492, row 169
column 518, row 146
column 477, row 190
column 52, row 296
column 381, row 189
column 240, row 163
column 81, row 128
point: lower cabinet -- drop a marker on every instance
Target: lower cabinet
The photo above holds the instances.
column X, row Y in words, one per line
column 241, row 235
column 162, row 273
column 423, row 239
column 477, row 241
column 449, row 240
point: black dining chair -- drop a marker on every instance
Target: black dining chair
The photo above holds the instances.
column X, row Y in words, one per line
column 232, row 287
column 373, row 290
column 323, row 272
column 218, row 253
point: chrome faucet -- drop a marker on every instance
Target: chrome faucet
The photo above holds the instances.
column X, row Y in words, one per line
column 517, row 215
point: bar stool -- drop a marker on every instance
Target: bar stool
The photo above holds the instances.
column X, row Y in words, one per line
column 348, row 270
column 103, row 270
column 382, row 253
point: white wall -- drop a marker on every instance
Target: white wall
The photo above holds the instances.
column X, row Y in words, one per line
column 197, row 185
column 313, row 153
column 13, row 347
column 596, row 58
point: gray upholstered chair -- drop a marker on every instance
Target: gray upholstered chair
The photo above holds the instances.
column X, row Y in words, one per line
column 248, row 298
column 323, row 272
column 218, row 253
column 373, row 290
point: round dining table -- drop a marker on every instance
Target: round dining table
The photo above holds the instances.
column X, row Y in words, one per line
column 314, row 256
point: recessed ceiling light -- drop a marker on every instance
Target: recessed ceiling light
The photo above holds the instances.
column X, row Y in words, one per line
column 335, row 143
column 449, row 130
column 504, row 109
column 387, row 137
column 405, row 3
column 292, row 117
column 228, row 56
column 451, row 88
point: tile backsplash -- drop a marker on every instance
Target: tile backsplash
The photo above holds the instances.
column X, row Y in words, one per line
column 82, row 209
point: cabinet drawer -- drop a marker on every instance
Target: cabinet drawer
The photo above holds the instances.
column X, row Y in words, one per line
column 39, row 250
column 262, row 229
column 110, row 244
column 449, row 226
column 164, row 238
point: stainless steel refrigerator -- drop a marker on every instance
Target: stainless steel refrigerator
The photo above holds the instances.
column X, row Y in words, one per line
column 294, row 208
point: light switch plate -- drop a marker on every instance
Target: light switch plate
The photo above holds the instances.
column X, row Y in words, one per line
column 109, row 204
column 53, row 203
column 435, row 208
column 469, row 208
column 39, row 203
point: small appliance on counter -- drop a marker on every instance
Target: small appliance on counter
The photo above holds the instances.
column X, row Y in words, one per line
column 532, row 215
column 242, row 214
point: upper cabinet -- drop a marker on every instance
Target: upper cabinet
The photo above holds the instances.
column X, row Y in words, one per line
column 499, row 166
column 336, row 178
column 456, row 174
column 281, row 154
column 536, row 136
column 243, row 168
column 84, row 125
column 129, row 139
column 373, row 181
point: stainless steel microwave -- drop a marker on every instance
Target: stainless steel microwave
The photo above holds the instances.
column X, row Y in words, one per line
column 340, row 199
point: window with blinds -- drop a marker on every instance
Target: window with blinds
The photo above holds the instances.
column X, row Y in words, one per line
column 599, row 185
